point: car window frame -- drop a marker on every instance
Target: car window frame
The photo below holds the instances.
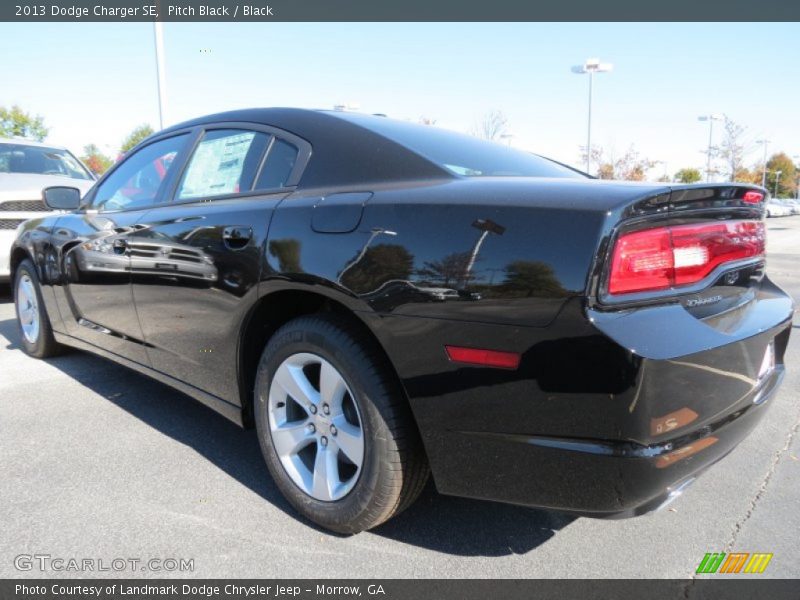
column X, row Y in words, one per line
column 304, row 151
column 166, row 187
column 195, row 136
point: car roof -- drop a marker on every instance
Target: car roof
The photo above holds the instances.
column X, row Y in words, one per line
column 344, row 152
column 26, row 142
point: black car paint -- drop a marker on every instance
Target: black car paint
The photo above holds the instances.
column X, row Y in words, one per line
column 423, row 258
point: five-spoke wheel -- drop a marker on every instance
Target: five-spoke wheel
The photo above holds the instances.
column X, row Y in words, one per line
column 315, row 426
column 34, row 326
column 28, row 308
column 334, row 427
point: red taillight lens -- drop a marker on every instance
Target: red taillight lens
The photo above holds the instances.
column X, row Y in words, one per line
column 666, row 257
column 752, row 197
column 642, row 261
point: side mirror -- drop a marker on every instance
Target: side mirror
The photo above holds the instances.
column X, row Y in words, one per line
column 62, row 198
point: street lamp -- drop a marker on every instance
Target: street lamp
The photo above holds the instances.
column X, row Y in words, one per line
column 777, row 179
column 158, row 33
column 710, row 119
column 764, row 142
column 485, row 226
column 591, row 66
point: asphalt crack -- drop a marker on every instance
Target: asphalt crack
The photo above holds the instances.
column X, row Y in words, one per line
column 764, row 483
column 737, row 527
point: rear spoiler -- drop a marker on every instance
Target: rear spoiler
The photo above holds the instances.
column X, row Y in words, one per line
column 705, row 196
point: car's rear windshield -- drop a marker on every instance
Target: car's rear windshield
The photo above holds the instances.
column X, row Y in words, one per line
column 461, row 154
column 40, row 160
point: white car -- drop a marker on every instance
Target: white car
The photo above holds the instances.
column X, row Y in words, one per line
column 778, row 209
column 792, row 204
column 26, row 168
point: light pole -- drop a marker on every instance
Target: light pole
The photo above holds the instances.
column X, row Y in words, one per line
column 710, row 119
column 485, row 226
column 158, row 35
column 777, row 179
column 764, row 142
column 591, row 66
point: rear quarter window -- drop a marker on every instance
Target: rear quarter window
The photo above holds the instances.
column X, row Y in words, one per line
column 278, row 166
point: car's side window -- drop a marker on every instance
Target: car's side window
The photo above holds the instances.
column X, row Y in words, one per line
column 138, row 182
column 224, row 162
column 278, row 166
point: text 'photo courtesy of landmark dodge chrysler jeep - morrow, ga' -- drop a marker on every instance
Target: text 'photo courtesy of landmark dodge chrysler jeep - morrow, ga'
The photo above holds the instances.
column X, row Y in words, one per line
column 384, row 300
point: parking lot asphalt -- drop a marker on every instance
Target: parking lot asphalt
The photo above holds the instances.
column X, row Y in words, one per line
column 99, row 462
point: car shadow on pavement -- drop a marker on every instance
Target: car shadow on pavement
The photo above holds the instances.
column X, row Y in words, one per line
column 467, row 527
column 442, row 523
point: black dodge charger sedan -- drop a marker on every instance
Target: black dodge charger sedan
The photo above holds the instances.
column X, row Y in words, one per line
column 383, row 300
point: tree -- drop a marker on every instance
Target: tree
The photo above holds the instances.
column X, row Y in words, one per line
column 745, row 175
column 287, row 251
column 630, row 166
column 529, row 278
column 97, row 162
column 731, row 149
column 688, row 175
column 491, row 126
column 378, row 265
column 787, row 183
column 14, row 122
column 446, row 272
column 136, row 136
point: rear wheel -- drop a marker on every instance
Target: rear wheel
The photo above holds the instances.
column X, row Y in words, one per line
column 34, row 325
column 334, row 427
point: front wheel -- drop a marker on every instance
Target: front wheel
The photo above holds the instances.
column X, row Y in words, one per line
column 334, row 428
column 34, row 325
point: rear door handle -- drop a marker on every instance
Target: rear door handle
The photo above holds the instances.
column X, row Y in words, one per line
column 237, row 237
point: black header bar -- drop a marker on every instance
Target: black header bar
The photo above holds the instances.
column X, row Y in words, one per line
column 401, row 10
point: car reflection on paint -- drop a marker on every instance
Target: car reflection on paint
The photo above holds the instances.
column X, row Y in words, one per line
column 105, row 255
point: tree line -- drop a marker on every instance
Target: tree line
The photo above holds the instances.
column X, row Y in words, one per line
column 727, row 157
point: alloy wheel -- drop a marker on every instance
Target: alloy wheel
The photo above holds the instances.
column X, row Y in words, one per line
column 28, row 308
column 316, row 427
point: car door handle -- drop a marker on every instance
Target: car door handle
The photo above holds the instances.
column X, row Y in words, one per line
column 237, row 237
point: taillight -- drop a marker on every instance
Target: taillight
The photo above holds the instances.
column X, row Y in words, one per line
column 753, row 197
column 667, row 257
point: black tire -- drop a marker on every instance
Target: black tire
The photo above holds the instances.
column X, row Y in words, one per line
column 394, row 468
column 44, row 344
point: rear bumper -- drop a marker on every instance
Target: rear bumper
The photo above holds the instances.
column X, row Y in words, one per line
column 604, row 416
column 606, row 479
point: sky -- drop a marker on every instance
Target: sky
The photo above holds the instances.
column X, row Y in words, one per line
column 95, row 82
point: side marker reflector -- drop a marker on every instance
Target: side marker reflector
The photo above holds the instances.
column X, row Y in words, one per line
column 482, row 357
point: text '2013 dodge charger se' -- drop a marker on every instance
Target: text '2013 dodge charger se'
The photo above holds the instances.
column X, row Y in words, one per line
column 384, row 299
